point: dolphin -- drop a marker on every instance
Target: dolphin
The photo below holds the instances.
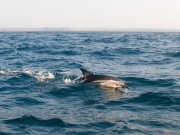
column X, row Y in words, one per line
column 102, row 80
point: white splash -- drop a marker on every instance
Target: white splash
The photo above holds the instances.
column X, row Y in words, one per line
column 29, row 72
column 40, row 75
column 63, row 73
column 43, row 75
column 71, row 76
column 68, row 81
column 9, row 72
column 2, row 72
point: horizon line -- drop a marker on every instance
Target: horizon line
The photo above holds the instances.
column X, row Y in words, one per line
column 88, row 29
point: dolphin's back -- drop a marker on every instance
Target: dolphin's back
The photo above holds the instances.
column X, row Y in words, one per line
column 97, row 78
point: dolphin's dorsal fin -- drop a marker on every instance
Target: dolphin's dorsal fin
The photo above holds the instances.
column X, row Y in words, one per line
column 85, row 72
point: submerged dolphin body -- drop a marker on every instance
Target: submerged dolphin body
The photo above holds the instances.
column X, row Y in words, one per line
column 102, row 80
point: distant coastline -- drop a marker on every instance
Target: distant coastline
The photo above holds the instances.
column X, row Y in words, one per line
column 87, row 29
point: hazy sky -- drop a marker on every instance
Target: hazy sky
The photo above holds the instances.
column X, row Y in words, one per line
column 162, row 14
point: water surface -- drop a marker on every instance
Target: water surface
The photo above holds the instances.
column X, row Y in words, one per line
column 36, row 99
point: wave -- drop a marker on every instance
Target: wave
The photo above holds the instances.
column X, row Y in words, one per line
column 107, row 40
column 67, row 90
column 112, row 53
column 53, row 52
column 150, row 98
column 137, row 81
column 27, row 101
column 5, row 133
column 101, row 124
column 26, row 121
column 160, row 126
column 173, row 54
column 128, row 51
column 69, row 52
column 176, row 55
column 104, row 54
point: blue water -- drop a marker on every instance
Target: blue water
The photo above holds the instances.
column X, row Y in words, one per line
column 38, row 94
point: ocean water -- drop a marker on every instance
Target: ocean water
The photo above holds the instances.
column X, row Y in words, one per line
column 38, row 94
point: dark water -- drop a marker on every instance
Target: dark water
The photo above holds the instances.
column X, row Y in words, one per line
column 38, row 96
